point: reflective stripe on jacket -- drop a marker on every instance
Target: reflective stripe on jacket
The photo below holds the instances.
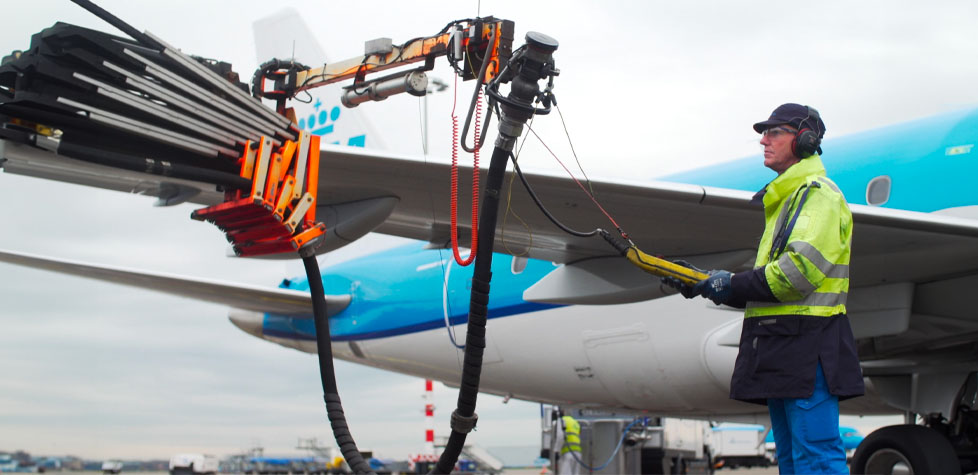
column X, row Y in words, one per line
column 811, row 275
column 572, row 435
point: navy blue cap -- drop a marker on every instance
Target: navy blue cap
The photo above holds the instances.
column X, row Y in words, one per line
column 795, row 115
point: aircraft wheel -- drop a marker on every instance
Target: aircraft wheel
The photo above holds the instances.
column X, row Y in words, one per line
column 905, row 450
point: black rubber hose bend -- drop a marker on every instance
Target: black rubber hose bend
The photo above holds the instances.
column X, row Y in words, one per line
column 334, row 409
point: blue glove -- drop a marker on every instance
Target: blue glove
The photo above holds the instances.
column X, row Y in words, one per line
column 716, row 287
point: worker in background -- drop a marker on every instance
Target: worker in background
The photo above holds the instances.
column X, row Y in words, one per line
column 797, row 353
column 569, row 432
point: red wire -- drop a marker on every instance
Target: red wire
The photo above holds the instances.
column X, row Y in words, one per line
column 586, row 191
column 475, row 182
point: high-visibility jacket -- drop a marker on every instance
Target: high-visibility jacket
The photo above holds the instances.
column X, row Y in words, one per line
column 795, row 297
column 572, row 435
column 808, row 270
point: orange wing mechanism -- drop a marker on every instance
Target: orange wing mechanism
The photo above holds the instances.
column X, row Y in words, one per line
column 279, row 214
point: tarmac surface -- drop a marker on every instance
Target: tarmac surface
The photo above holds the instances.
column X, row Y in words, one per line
column 512, row 471
column 728, row 471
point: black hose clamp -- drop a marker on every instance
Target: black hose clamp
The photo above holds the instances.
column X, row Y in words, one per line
column 463, row 424
column 619, row 245
column 283, row 73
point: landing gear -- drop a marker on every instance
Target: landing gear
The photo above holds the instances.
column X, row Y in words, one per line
column 945, row 442
column 905, row 449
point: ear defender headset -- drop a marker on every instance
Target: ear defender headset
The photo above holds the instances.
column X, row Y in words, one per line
column 806, row 140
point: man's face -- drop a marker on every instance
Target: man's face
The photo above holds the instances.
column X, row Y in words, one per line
column 777, row 148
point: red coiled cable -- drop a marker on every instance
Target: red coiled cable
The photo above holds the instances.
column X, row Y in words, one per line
column 475, row 181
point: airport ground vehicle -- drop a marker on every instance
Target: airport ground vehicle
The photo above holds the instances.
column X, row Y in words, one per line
column 738, row 445
column 625, row 442
column 193, row 464
column 112, row 466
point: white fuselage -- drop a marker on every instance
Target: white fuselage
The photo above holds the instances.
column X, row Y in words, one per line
column 668, row 356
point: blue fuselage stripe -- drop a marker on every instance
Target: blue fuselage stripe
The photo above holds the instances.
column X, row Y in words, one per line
column 409, row 289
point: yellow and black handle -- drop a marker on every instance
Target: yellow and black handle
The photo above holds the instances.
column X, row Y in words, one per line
column 654, row 265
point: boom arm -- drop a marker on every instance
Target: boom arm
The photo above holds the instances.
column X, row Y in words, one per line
column 474, row 39
column 464, row 41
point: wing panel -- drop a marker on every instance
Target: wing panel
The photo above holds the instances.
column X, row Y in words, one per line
column 666, row 217
column 662, row 218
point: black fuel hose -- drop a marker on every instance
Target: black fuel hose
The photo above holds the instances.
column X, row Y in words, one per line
column 464, row 417
column 334, row 409
column 536, row 64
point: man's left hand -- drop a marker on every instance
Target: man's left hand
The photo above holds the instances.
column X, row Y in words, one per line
column 716, row 287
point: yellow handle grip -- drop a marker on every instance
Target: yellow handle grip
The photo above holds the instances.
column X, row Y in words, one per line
column 662, row 267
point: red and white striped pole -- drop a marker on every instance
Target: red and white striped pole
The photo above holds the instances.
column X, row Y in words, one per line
column 429, row 419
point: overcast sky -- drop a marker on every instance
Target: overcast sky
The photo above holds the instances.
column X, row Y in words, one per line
column 646, row 88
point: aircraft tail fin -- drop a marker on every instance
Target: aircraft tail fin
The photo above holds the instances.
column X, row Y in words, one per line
column 285, row 35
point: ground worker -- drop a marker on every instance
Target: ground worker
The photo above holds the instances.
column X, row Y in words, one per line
column 570, row 452
column 797, row 353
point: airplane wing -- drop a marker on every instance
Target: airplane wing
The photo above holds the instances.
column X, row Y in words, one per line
column 910, row 282
column 247, row 297
column 365, row 190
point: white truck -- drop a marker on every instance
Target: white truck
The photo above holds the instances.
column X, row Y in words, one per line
column 112, row 466
column 193, row 464
column 738, row 445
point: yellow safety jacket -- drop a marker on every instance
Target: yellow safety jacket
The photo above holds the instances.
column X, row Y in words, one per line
column 805, row 246
column 572, row 435
column 798, row 288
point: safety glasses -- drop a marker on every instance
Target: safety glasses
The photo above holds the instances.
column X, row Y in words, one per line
column 776, row 131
